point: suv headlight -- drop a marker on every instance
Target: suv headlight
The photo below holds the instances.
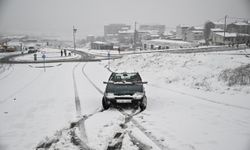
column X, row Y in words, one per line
column 110, row 95
column 138, row 95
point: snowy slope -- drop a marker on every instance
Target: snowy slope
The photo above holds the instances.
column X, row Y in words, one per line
column 188, row 107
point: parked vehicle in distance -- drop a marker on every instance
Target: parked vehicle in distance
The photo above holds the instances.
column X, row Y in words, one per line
column 32, row 49
column 124, row 88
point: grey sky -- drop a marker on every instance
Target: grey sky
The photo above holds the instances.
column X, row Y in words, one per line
column 56, row 17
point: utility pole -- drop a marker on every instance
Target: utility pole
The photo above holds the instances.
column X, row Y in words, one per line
column 135, row 36
column 225, row 26
column 74, row 34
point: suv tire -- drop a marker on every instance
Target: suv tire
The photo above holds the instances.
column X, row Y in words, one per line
column 105, row 104
column 143, row 104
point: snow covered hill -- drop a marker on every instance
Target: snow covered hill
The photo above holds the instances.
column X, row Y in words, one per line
column 195, row 70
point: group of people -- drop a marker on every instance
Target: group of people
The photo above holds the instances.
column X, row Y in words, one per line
column 64, row 51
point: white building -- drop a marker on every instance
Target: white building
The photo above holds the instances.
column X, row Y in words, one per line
column 227, row 38
column 181, row 32
column 195, row 34
column 213, row 32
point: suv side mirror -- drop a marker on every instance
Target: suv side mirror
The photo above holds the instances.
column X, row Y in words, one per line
column 145, row 82
column 105, row 82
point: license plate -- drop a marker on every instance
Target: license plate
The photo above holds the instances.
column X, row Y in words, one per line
column 123, row 100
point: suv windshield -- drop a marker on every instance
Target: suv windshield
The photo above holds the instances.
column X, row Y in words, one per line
column 128, row 77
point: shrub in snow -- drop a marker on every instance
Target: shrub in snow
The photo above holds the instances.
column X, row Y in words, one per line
column 237, row 76
column 201, row 83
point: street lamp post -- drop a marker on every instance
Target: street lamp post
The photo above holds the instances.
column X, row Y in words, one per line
column 74, row 34
column 225, row 26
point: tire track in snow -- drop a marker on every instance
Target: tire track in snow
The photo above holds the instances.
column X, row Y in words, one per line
column 77, row 100
column 143, row 130
column 82, row 129
column 128, row 117
column 12, row 69
column 83, row 142
column 91, row 82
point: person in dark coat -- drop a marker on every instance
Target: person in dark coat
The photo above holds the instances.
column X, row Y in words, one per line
column 65, row 52
column 35, row 57
column 61, row 53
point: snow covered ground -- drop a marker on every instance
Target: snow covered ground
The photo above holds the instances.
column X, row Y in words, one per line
column 188, row 107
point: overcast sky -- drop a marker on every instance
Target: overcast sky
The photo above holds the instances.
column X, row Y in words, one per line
column 56, row 17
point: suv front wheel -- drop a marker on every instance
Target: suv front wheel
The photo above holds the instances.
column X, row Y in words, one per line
column 143, row 104
column 105, row 104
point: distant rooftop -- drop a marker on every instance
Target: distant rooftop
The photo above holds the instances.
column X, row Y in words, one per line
column 241, row 23
column 127, row 31
column 226, row 34
column 217, row 30
column 169, row 41
column 199, row 28
column 231, row 34
column 183, row 26
column 100, row 42
column 197, row 31
column 218, row 22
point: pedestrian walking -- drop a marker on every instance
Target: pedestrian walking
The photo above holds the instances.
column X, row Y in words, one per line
column 35, row 57
column 61, row 52
column 119, row 50
column 65, row 52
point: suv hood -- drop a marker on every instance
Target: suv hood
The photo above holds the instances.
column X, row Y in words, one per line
column 124, row 89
